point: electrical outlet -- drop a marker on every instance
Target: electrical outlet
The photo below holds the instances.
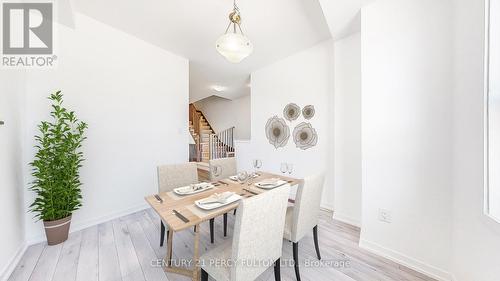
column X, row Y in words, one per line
column 384, row 215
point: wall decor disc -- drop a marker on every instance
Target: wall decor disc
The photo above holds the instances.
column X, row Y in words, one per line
column 277, row 131
column 291, row 111
column 308, row 111
column 305, row 136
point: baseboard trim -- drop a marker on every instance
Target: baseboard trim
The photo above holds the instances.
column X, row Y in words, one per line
column 11, row 266
column 346, row 219
column 409, row 262
column 92, row 222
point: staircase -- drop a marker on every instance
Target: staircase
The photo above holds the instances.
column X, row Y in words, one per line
column 201, row 136
column 208, row 144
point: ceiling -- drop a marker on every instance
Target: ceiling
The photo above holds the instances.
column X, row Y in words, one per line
column 343, row 16
column 189, row 28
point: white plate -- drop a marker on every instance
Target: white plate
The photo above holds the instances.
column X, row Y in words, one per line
column 211, row 206
column 178, row 190
column 233, row 178
column 269, row 186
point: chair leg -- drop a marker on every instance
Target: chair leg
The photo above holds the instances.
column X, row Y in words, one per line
column 296, row 260
column 277, row 267
column 204, row 275
column 315, row 235
column 162, row 233
column 225, row 224
column 212, row 231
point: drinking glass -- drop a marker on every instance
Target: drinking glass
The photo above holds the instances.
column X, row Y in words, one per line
column 216, row 171
column 284, row 167
column 289, row 168
column 242, row 177
column 257, row 164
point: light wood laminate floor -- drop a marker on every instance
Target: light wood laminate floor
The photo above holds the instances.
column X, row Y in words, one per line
column 128, row 248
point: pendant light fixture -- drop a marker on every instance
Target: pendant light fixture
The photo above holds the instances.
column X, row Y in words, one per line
column 232, row 45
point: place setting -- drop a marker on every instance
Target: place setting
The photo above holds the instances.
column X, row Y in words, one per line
column 270, row 183
column 217, row 200
column 194, row 188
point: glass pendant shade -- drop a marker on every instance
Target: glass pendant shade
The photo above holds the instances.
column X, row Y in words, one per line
column 234, row 47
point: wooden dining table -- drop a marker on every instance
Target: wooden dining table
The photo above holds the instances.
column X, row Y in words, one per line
column 185, row 205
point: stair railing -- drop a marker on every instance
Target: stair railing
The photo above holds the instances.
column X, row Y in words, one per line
column 221, row 145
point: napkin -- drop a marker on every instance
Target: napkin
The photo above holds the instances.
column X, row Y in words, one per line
column 218, row 198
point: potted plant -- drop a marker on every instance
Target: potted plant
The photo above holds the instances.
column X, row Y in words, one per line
column 56, row 170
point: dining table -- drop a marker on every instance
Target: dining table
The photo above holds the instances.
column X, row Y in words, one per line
column 180, row 213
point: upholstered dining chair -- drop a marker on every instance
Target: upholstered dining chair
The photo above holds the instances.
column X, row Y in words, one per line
column 257, row 241
column 177, row 175
column 228, row 168
column 304, row 215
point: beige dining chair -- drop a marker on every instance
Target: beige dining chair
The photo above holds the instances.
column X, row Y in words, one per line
column 257, row 241
column 228, row 168
column 304, row 215
column 177, row 175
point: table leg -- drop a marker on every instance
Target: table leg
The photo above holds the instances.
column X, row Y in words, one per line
column 169, row 248
column 196, row 254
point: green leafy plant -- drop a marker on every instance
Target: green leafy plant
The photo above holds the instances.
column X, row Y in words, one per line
column 57, row 163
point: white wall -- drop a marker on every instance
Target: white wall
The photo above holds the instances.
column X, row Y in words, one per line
column 223, row 114
column 347, row 165
column 134, row 97
column 303, row 78
column 406, row 131
column 476, row 238
column 493, row 123
column 11, row 180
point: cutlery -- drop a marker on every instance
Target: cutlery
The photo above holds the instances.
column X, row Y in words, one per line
column 223, row 183
column 158, row 198
column 267, row 184
column 246, row 195
column 180, row 216
column 249, row 191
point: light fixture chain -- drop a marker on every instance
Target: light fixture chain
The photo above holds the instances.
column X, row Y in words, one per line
column 228, row 26
column 239, row 26
column 235, row 7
